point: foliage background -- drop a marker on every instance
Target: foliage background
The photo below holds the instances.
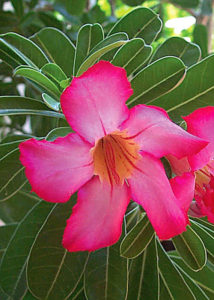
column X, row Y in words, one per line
column 33, row 263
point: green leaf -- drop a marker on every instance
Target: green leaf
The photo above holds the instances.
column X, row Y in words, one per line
column 51, row 102
column 108, row 44
column 139, row 23
column 88, row 37
column 204, row 277
column 106, row 275
column 143, row 273
column 15, row 208
column 132, row 55
column 6, row 232
column 15, row 105
column 173, row 281
column 39, row 79
column 206, row 235
column 7, row 147
column 196, row 290
column 57, row 132
column 184, row 99
column 191, row 249
column 138, row 238
column 58, row 48
column 12, row 175
column 15, row 258
column 50, row 261
column 17, row 50
column 18, row 7
column 156, row 79
column 54, row 72
column 189, row 53
column 200, row 37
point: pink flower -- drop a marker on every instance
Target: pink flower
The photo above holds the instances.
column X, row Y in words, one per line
column 112, row 157
column 201, row 124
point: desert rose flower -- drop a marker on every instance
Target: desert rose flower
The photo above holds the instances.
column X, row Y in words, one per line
column 201, row 124
column 113, row 157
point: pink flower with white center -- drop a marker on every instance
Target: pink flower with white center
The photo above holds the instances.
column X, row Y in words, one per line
column 201, row 124
column 113, row 157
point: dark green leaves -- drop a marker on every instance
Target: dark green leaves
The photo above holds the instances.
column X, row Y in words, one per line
column 139, row 23
column 50, row 266
column 57, row 47
column 184, row 99
column 132, row 55
column 17, row 50
column 189, row 53
column 171, row 278
column 14, row 105
column 137, row 239
column 106, row 275
column 88, row 37
column 191, row 249
column 156, row 79
column 143, row 275
column 13, row 263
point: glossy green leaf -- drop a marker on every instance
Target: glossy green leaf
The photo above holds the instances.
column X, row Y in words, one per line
column 156, row 79
column 136, row 241
column 139, row 23
column 14, row 260
column 171, row 277
column 17, row 50
column 6, row 232
column 15, row 105
column 7, row 147
column 29, row 296
column 17, row 206
column 51, row 102
column 88, row 37
column 189, row 53
column 58, row 48
column 184, row 99
column 108, row 44
column 48, row 259
column 204, row 277
column 106, row 274
column 39, row 79
column 54, row 72
column 196, row 290
column 206, row 235
column 57, row 132
column 191, row 249
column 143, row 275
column 200, row 37
column 132, row 55
column 12, row 175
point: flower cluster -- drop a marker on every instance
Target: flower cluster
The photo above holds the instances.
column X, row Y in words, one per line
column 114, row 156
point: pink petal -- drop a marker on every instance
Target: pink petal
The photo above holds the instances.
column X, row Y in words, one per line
column 96, row 220
column 201, row 124
column 158, row 135
column 179, row 166
column 57, row 169
column 151, row 188
column 94, row 103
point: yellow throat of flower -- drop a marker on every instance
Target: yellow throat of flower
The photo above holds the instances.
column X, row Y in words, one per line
column 202, row 177
column 115, row 156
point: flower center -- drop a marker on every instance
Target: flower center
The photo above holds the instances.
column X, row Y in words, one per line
column 115, row 156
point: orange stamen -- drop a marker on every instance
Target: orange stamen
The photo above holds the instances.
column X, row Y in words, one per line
column 115, row 157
